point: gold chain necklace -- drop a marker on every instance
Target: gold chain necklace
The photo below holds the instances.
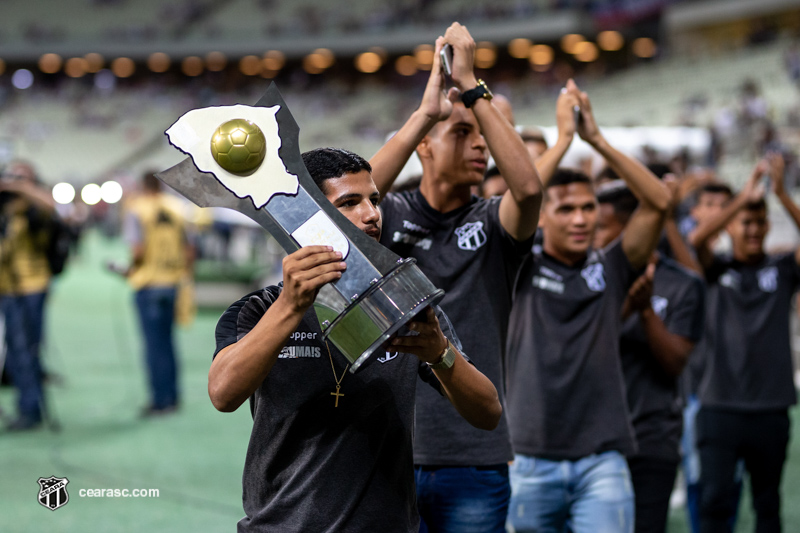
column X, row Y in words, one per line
column 338, row 381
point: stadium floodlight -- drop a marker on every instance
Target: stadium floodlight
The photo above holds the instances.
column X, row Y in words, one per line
column 50, row 63
column 105, row 80
column 424, row 56
column 520, row 48
column 570, row 41
column 192, row 66
column 111, row 192
column 644, row 47
column 406, row 65
column 22, row 78
column 95, row 62
column 123, row 67
column 368, row 62
column 76, row 67
column 63, row 193
column 250, row 65
column 541, row 55
column 90, row 194
column 216, row 61
column 158, row 62
column 610, row 40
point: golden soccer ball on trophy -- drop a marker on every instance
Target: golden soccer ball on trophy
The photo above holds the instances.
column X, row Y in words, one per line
column 239, row 146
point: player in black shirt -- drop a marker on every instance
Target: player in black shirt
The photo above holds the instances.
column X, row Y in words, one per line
column 566, row 395
column 331, row 451
column 471, row 248
column 747, row 385
column 662, row 321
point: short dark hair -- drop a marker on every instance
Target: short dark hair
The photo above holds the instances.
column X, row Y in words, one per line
column 491, row 172
column 659, row 169
column 619, row 196
column 715, row 187
column 150, row 182
column 328, row 163
column 607, row 173
column 756, row 205
column 568, row 176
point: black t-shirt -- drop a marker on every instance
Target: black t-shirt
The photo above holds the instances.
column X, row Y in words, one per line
column 748, row 363
column 566, row 393
column 467, row 253
column 653, row 396
column 311, row 466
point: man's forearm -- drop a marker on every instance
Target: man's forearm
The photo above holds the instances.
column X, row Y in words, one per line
column 790, row 206
column 711, row 226
column 670, row 350
column 547, row 163
column 239, row 369
column 647, row 188
column 509, row 152
column 389, row 161
column 471, row 393
column 679, row 248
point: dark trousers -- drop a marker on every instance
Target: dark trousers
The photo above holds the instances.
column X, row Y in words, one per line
column 21, row 364
column 724, row 437
column 463, row 499
column 156, row 308
column 653, row 480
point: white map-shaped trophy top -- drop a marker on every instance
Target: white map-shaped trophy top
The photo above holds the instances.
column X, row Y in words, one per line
column 192, row 135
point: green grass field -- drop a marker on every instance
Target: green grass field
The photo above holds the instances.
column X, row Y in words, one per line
column 194, row 457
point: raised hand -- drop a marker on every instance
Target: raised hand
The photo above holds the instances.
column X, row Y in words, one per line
column 463, row 56
column 565, row 113
column 587, row 127
column 753, row 189
column 306, row 271
column 437, row 101
column 776, row 169
column 429, row 344
column 641, row 292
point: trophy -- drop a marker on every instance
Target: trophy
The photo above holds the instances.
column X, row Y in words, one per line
column 247, row 158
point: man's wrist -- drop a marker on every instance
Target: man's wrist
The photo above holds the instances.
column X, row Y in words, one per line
column 467, row 83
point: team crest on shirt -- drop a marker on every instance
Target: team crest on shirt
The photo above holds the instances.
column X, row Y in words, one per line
column 768, row 279
column 471, row 236
column 387, row 357
column 593, row 274
column 659, row 305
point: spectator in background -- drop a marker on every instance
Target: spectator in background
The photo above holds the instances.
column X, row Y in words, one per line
column 161, row 255
column 567, row 409
column 27, row 210
column 662, row 320
column 471, row 248
column 747, row 384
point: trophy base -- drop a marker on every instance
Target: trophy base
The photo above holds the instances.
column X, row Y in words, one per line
column 367, row 324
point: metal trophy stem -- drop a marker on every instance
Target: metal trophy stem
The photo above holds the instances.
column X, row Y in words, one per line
column 376, row 296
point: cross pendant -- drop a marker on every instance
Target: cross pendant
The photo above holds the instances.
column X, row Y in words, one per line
column 337, row 394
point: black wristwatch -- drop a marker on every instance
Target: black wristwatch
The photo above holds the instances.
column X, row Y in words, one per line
column 473, row 95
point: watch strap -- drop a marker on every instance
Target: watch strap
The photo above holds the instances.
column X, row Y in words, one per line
column 468, row 98
column 447, row 359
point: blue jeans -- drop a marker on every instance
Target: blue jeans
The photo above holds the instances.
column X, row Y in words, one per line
column 21, row 364
column 591, row 495
column 691, row 468
column 156, row 308
column 464, row 499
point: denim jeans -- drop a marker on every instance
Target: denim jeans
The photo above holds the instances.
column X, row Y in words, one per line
column 462, row 499
column 691, row 469
column 591, row 495
column 156, row 308
column 21, row 364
